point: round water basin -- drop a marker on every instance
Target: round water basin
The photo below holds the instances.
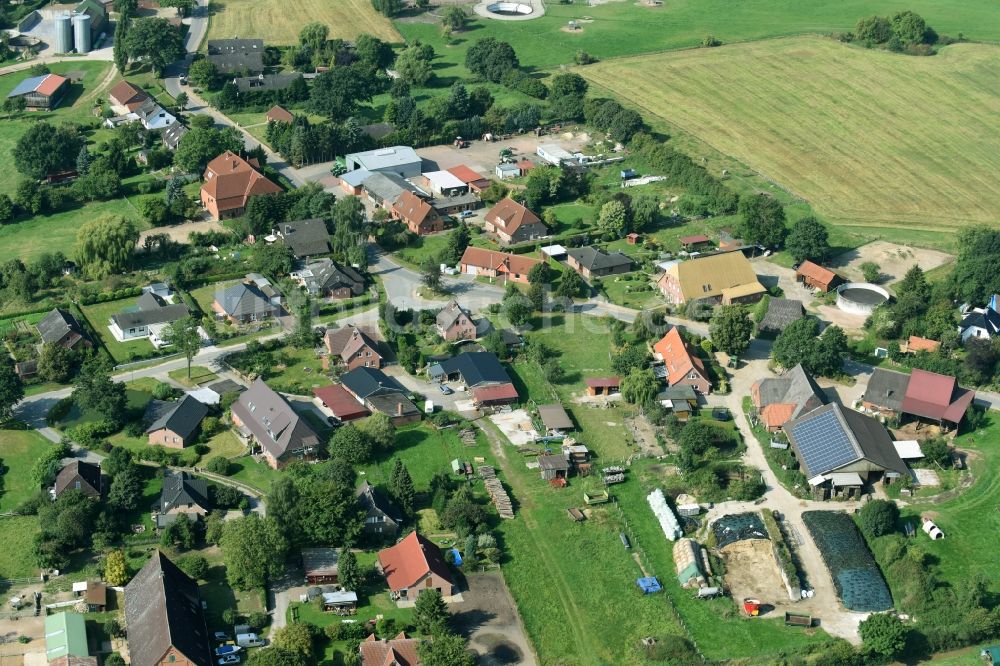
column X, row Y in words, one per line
column 860, row 298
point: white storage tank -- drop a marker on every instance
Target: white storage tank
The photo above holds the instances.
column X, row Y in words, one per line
column 63, row 41
column 81, row 32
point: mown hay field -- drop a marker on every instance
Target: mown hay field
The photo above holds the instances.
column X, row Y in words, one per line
column 278, row 21
column 869, row 138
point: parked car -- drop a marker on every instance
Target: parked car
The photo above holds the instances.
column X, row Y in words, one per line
column 224, row 650
column 228, row 659
column 334, row 421
column 221, row 636
column 445, row 389
column 465, row 213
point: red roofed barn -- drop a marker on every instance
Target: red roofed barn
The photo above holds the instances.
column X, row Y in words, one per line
column 936, row 397
column 413, row 565
column 480, row 261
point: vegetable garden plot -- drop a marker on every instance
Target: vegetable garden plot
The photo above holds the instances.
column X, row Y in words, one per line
column 857, row 577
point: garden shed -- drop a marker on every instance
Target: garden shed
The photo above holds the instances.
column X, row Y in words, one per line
column 554, row 418
column 553, row 467
column 320, row 565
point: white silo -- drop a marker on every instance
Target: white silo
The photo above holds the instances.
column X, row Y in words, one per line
column 81, row 32
column 63, row 33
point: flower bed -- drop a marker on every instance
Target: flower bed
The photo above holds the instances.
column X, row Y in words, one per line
column 857, row 577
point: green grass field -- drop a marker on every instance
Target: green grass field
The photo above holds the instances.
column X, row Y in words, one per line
column 199, row 375
column 280, row 22
column 625, row 28
column 868, row 138
column 18, row 451
column 17, row 559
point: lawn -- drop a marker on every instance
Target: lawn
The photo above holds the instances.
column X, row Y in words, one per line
column 18, row 452
column 280, row 22
column 28, row 238
column 425, row 450
column 136, row 400
column 99, row 314
column 868, row 138
column 625, row 28
column 17, row 559
column 255, row 474
column 199, row 375
column 971, row 520
column 300, row 372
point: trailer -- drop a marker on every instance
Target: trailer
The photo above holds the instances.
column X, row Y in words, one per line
column 798, row 620
column 596, row 497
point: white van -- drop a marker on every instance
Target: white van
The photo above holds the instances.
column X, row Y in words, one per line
column 249, row 640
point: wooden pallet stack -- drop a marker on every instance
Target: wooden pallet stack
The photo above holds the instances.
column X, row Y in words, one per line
column 501, row 500
column 468, row 436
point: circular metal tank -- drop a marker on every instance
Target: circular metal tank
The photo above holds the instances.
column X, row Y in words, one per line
column 81, row 32
column 63, row 41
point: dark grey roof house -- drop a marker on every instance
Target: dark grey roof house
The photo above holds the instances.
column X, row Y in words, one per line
column 182, row 491
column 474, row 369
column 79, row 475
column 263, row 414
column 781, row 399
column 367, row 382
column 382, row 518
column 780, row 313
column 235, row 56
column 172, row 135
column 836, row 440
column 384, row 188
column 326, row 276
column 305, row 237
column 885, row 391
column 265, row 82
column 597, row 262
column 244, row 302
column 164, row 617
column 150, row 309
column 61, row 328
column 177, row 421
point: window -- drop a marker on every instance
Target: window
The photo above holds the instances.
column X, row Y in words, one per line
column 172, row 658
column 76, row 485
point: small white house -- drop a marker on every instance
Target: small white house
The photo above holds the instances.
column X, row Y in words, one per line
column 445, row 183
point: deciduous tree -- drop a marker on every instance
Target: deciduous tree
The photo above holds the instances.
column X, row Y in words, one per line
column 11, row 390
column 731, row 329
column 183, row 336
column 808, row 239
column 154, row 40
column 116, row 568
column 45, row 149
column 104, row 245
column 489, row 59
column 762, row 221
column 254, row 549
column 883, row 634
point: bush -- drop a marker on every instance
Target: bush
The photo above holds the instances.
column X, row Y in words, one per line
column 878, row 517
column 219, row 465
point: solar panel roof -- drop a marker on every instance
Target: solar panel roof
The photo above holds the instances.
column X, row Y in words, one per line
column 823, row 442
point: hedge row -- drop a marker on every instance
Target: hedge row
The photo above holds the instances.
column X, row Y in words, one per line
column 106, row 296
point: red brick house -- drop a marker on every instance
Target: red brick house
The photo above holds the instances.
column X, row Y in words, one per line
column 175, row 424
column 263, row 416
column 230, row 181
column 455, row 323
column 513, row 223
column 354, row 347
column 489, row 263
column 79, row 475
column 682, row 365
column 413, row 565
column 419, row 216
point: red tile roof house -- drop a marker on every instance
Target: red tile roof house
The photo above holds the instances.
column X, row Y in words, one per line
column 682, row 365
column 698, row 242
column 354, row 347
column 455, row 323
column 335, row 400
column 419, row 216
column 489, row 263
column 513, row 223
column 413, row 565
column 230, row 181
column 399, row 651
column 277, row 114
column 263, row 415
column 126, row 97
column 175, row 424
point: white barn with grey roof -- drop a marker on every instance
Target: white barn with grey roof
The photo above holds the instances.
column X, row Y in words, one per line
column 400, row 160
